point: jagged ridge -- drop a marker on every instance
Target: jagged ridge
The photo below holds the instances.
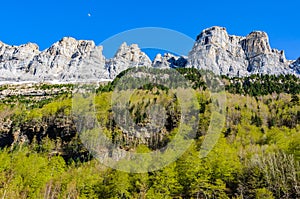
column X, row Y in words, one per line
column 71, row 60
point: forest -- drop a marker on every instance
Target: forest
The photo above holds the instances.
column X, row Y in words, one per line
column 256, row 156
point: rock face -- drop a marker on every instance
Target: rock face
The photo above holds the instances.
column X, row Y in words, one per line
column 14, row 60
column 71, row 60
column 225, row 54
column 296, row 66
column 216, row 51
column 68, row 60
column 263, row 59
column 65, row 61
column 62, row 62
column 127, row 57
column 169, row 60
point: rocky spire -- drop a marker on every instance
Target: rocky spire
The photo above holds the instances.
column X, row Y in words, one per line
column 169, row 61
column 256, row 43
column 127, row 57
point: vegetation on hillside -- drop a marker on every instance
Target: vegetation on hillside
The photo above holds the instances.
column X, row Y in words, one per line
column 256, row 156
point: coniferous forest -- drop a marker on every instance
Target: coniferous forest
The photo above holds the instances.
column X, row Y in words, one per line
column 256, row 156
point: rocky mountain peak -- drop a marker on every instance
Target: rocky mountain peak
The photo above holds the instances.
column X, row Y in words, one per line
column 161, row 61
column 256, row 43
column 231, row 55
column 15, row 53
column 70, row 60
column 127, row 56
column 169, row 60
column 213, row 36
column 70, row 47
column 31, row 46
column 132, row 53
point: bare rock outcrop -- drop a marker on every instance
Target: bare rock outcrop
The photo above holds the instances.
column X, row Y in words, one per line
column 169, row 61
column 231, row 55
column 68, row 60
column 127, row 57
column 216, row 51
column 296, row 66
column 71, row 60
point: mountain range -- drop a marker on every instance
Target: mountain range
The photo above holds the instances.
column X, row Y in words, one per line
column 71, row 60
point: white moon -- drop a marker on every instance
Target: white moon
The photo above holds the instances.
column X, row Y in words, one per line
column 89, row 14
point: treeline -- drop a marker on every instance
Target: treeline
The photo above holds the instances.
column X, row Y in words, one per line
column 253, row 85
column 257, row 85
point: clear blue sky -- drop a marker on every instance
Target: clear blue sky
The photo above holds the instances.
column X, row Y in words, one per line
column 45, row 22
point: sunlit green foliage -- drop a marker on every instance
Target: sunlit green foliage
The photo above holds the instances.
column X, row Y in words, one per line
column 256, row 156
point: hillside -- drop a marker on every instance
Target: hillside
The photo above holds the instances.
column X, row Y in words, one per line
column 256, row 156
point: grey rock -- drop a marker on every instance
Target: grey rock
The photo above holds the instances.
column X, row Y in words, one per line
column 295, row 66
column 161, row 61
column 68, row 60
column 71, row 60
column 127, row 57
column 256, row 43
column 263, row 59
column 216, row 51
column 15, row 59
column 231, row 55
column 169, row 61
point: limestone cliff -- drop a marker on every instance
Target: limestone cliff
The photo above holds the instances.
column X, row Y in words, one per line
column 71, row 60
column 231, row 55
column 68, row 60
column 127, row 57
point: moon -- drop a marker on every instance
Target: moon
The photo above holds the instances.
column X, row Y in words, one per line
column 89, row 15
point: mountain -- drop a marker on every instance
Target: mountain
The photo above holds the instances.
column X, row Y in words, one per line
column 231, row 55
column 64, row 61
column 71, row 60
column 127, row 57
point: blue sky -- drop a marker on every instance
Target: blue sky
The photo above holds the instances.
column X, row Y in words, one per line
column 45, row 22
